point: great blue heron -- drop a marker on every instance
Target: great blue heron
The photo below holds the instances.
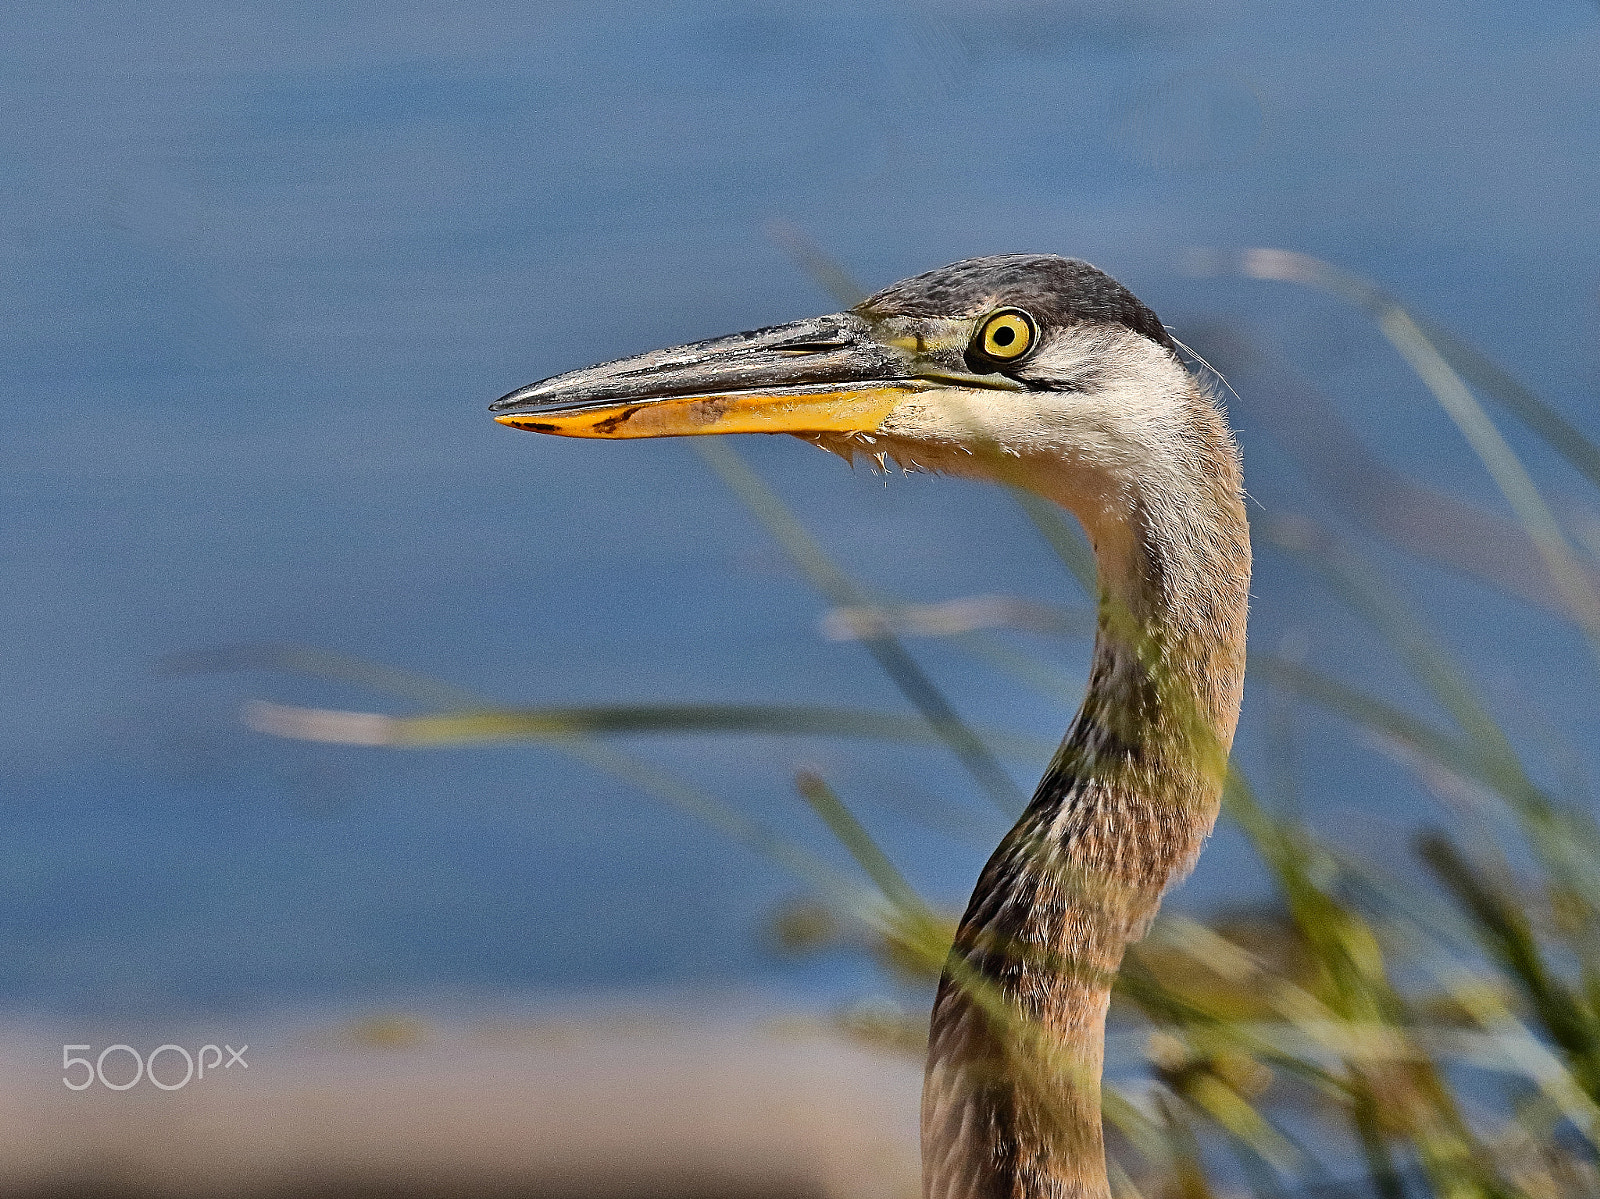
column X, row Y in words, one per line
column 1041, row 372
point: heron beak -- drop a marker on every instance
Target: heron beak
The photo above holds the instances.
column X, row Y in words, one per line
column 826, row 374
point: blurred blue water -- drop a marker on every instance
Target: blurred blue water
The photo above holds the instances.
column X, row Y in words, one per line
column 262, row 265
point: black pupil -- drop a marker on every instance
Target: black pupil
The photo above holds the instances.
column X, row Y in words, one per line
column 1004, row 335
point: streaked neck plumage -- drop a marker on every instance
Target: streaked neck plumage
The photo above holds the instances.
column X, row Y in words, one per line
column 1011, row 1104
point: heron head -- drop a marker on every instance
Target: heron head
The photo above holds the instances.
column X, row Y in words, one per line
column 988, row 361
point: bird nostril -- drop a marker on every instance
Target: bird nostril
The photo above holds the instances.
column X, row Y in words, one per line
column 810, row 347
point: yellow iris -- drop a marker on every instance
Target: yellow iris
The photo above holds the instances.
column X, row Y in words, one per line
column 1007, row 335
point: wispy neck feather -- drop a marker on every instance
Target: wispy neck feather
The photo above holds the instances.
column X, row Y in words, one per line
column 1011, row 1104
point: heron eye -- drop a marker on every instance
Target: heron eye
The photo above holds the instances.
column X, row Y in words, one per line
column 1006, row 335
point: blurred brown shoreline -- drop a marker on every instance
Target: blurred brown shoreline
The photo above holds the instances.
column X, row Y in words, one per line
column 629, row 1106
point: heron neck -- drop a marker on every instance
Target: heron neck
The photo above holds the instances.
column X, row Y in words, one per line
column 1123, row 809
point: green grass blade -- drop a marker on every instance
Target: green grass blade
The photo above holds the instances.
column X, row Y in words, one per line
column 448, row 729
column 959, row 616
column 1369, row 712
column 724, row 818
column 815, row 263
column 1564, row 840
column 1453, row 395
column 854, row 837
column 1063, row 536
column 1430, row 524
column 1482, row 372
column 325, row 664
column 1508, row 937
column 1356, row 985
column 571, row 731
column 890, row 655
